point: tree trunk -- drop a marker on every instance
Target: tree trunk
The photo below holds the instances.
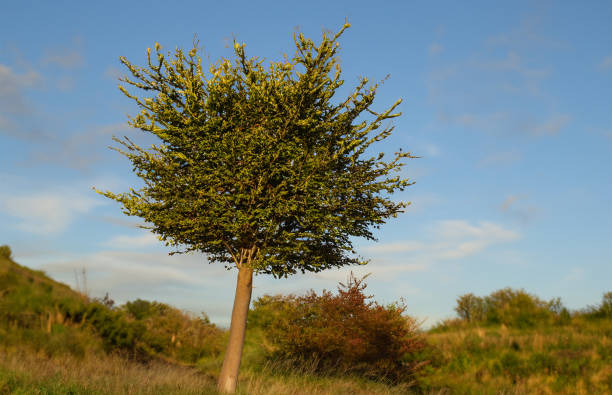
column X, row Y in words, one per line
column 229, row 372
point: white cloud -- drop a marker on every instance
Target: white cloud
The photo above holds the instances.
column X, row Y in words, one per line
column 46, row 212
column 186, row 281
column 378, row 269
column 407, row 246
column 485, row 231
column 126, row 241
column 445, row 240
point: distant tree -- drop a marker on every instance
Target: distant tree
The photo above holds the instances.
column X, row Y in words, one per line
column 606, row 305
column 258, row 167
column 470, row 308
column 5, row 251
column 511, row 307
column 604, row 310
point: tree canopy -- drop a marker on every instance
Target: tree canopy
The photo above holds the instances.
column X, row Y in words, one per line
column 260, row 163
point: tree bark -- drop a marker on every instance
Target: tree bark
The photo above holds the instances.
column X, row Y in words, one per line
column 229, row 372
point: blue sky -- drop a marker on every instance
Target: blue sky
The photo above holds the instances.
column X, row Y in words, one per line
column 509, row 107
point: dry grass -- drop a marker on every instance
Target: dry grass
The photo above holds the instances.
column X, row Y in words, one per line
column 26, row 372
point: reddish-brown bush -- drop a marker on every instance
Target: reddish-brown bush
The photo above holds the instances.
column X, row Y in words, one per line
column 346, row 332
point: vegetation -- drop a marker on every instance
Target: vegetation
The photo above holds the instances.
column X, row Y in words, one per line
column 263, row 169
column 604, row 310
column 515, row 308
column 49, row 317
column 56, row 340
column 575, row 358
column 343, row 333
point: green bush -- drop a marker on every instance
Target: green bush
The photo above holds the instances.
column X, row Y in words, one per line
column 5, row 252
column 342, row 333
column 169, row 331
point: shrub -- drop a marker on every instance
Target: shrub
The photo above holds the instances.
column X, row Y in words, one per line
column 343, row 333
column 5, row 252
column 171, row 332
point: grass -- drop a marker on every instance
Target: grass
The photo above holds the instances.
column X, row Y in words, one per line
column 28, row 372
column 572, row 359
column 568, row 359
column 24, row 371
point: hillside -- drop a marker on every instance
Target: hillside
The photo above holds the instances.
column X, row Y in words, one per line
column 34, row 311
column 49, row 317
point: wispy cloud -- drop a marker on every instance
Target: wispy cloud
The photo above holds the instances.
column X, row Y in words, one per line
column 445, row 240
column 113, row 73
column 405, row 246
column 14, row 106
column 11, row 88
column 511, row 124
column 46, row 212
column 606, row 63
column 146, row 239
column 66, row 57
column 499, row 87
column 525, row 35
column 428, row 150
column 484, row 230
column 78, row 151
column 553, row 125
column 186, row 281
column 435, row 49
column 517, row 207
column 500, row 158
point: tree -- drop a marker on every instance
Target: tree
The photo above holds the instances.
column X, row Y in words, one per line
column 470, row 308
column 260, row 168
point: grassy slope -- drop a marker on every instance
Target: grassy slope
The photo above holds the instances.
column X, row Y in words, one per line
column 42, row 352
column 569, row 359
column 33, row 313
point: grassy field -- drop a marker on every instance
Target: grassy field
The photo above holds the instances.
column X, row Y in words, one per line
column 54, row 340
